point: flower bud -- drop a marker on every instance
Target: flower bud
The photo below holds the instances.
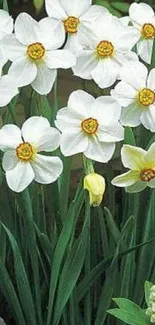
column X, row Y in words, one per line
column 95, row 184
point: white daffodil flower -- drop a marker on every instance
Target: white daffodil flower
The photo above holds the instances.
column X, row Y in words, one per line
column 90, row 126
column 74, row 17
column 34, row 52
column 142, row 169
column 136, row 94
column 106, row 49
column 22, row 161
column 6, row 28
column 143, row 18
column 8, row 90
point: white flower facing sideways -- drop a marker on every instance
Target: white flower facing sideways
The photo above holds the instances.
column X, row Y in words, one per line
column 136, row 94
column 22, row 161
column 73, row 17
column 106, row 48
column 143, row 18
column 6, row 28
column 35, row 54
column 142, row 169
column 89, row 126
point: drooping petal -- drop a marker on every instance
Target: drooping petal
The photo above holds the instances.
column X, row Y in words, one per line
column 144, row 49
column 106, row 73
column 148, row 118
column 131, row 114
column 133, row 157
column 60, row 59
column 126, row 179
column 44, row 80
column 46, row 169
column 24, row 71
column 27, row 29
column 81, row 102
column 98, row 151
column 124, row 93
column 86, row 63
column 55, row 10
column 53, row 32
column 33, row 128
column 137, row 187
column 12, row 48
column 135, row 74
column 140, row 13
column 111, row 133
column 49, row 140
column 20, row 177
column 74, row 8
column 10, row 137
column 8, row 90
column 73, row 141
column 151, row 80
column 106, row 110
column 10, row 160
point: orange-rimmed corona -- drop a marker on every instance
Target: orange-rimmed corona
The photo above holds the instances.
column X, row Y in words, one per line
column 146, row 97
column 36, row 51
column 25, row 151
column 147, row 174
column 105, row 49
column 89, row 126
column 148, row 31
column 71, row 24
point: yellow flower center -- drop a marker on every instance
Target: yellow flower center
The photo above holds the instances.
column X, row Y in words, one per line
column 147, row 174
column 90, row 125
column 148, row 31
column 105, row 49
column 36, row 51
column 146, row 96
column 71, row 24
column 25, row 151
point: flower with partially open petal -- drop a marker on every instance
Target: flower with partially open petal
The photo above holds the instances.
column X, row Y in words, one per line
column 143, row 18
column 35, row 54
column 22, row 161
column 142, row 169
column 106, row 48
column 136, row 94
column 6, row 28
column 90, row 126
column 73, row 17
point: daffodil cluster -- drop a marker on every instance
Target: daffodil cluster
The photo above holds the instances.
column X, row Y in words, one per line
column 114, row 52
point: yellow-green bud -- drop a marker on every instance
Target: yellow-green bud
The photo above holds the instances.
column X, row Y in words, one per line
column 95, row 184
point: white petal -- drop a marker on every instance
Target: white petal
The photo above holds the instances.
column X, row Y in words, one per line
column 135, row 74
column 127, row 39
column 98, row 151
column 3, row 59
column 27, row 29
column 94, row 12
column 33, row 128
column 10, row 137
column 144, row 50
column 140, row 13
column 125, row 20
column 126, row 179
column 67, row 118
column 20, row 177
column 12, row 48
column 8, row 89
column 60, row 59
column 106, row 110
column 24, row 71
column 124, row 93
column 151, row 80
column 131, row 114
column 80, row 101
column 106, row 73
column 72, row 142
column 148, row 118
column 74, row 8
column 137, row 187
column 10, row 160
column 150, row 156
column 53, row 33
column 6, row 22
column 111, row 133
column 86, row 63
column 133, row 157
column 44, row 80
column 47, row 169
column 54, row 9
column 49, row 140
column 73, row 43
